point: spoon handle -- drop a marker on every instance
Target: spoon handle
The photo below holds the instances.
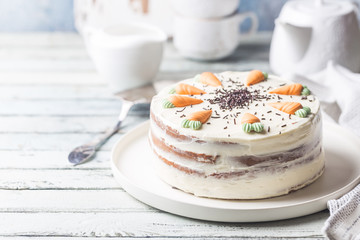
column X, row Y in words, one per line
column 85, row 152
column 100, row 140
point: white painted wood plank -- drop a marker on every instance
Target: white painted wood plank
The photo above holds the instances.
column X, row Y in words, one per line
column 52, row 78
column 149, row 224
column 36, row 65
column 40, row 39
column 101, row 107
column 49, row 92
column 60, row 107
column 71, row 178
column 139, row 238
column 58, row 141
column 49, row 160
column 54, row 124
column 52, row 141
column 29, row 201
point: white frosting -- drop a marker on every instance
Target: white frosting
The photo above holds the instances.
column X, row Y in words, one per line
column 286, row 133
column 294, row 131
column 263, row 185
column 224, row 164
column 216, row 132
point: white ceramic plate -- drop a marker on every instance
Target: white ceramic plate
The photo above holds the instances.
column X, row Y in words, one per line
column 131, row 165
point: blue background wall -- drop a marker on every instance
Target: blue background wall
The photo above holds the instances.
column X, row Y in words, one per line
column 36, row 15
column 57, row 15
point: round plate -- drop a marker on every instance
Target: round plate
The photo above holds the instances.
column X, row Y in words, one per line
column 131, row 165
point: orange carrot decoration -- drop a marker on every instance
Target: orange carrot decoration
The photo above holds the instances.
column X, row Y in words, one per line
column 249, row 118
column 255, row 76
column 287, row 107
column 209, row 79
column 292, row 89
column 186, row 89
column 180, row 101
column 201, row 116
column 196, row 119
column 251, row 123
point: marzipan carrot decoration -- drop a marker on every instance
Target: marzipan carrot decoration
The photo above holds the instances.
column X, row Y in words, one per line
column 251, row 123
column 292, row 89
column 186, row 89
column 196, row 119
column 208, row 78
column 249, row 118
column 255, row 76
column 292, row 108
column 287, row 107
column 180, row 101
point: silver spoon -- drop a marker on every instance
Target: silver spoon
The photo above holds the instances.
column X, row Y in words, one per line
column 129, row 98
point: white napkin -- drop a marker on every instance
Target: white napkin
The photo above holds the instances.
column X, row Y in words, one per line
column 339, row 92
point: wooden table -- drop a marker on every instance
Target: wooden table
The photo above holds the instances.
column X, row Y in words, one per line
column 51, row 100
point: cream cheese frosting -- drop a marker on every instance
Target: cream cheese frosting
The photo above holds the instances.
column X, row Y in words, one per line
column 222, row 127
column 292, row 143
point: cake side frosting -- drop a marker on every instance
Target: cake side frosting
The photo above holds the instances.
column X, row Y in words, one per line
column 237, row 137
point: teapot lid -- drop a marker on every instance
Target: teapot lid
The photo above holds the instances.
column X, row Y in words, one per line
column 302, row 12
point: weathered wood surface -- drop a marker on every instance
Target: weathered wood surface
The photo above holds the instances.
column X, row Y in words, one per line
column 51, row 100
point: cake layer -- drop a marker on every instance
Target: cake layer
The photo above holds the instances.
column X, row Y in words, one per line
column 225, row 165
column 234, row 161
column 242, row 186
column 271, row 144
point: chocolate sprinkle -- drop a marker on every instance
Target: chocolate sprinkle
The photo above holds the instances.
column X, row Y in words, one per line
column 181, row 110
column 235, row 98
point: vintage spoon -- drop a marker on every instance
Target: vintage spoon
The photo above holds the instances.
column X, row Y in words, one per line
column 129, row 99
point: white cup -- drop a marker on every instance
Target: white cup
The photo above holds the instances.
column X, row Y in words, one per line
column 126, row 55
column 210, row 39
column 205, row 8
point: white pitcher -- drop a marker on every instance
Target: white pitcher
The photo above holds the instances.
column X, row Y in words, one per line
column 310, row 33
column 126, row 55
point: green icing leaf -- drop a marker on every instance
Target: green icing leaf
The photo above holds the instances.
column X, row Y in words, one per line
column 305, row 91
column 247, row 127
column 172, row 91
column 301, row 113
column 258, row 127
column 265, row 75
column 195, row 125
column 185, row 123
column 307, row 109
column 168, row 104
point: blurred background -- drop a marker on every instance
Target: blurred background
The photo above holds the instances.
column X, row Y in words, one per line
column 58, row 15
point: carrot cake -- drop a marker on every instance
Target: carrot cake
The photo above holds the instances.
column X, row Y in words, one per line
column 237, row 135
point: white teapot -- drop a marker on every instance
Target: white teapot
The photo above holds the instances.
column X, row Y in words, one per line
column 309, row 33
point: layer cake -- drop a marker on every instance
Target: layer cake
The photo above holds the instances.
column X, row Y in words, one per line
column 237, row 135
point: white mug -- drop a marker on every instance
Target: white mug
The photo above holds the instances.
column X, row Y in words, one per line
column 126, row 55
column 205, row 8
column 210, row 39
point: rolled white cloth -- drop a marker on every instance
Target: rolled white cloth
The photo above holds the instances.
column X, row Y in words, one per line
column 339, row 92
column 344, row 220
